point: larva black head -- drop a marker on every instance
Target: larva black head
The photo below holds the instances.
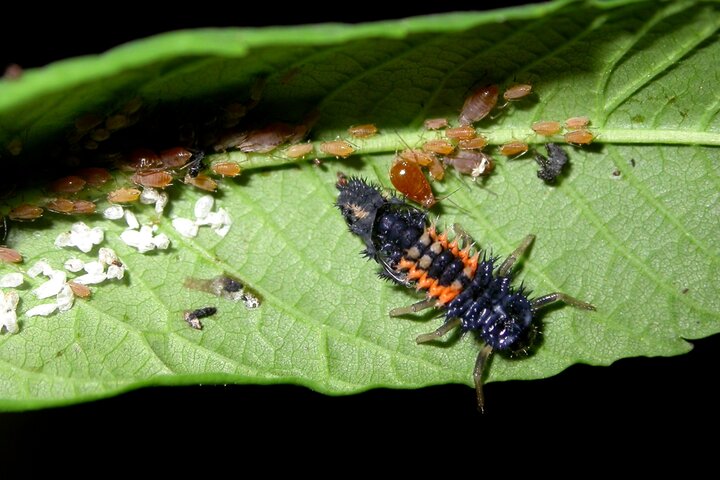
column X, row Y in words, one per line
column 359, row 202
column 551, row 167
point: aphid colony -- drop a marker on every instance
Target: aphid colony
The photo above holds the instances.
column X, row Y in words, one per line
column 474, row 292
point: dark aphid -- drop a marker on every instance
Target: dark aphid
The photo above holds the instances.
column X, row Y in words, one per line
column 196, row 164
column 471, row 162
column 124, row 195
column 299, row 150
column 474, row 293
column 478, row 104
column 192, row 317
column 70, row 184
column 337, row 148
column 226, row 169
column 463, row 132
column 409, row 180
column 363, row 131
column 547, row 128
column 442, row 147
column 576, row 123
column 157, row 179
column 514, row 148
column 25, row 213
column 579, row 137
column 436, row 123
column 10, row 255
column 201, row 181
column 94, row 176
column 551, row 167
column 175, row 157
column 477, row 143
column 516, row 92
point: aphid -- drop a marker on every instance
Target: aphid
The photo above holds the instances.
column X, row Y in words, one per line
column 100, row 134
column 409, row 180
column 363, row 131
column 442, row 147
column 144, row 159
column 202, row 181
column 425, row 159
column 25, row 213
column 87, row 122
column 551, row 167
column 79, row 290
column 83, row 207
column 116, row 122
column 263, row 140
column 579, row 137
column 60, row 205
column 15, row 147
column 196, row 164
column 547, row 128
column 226, row 169
column 160, row 179
column 478, row 104
column 94, row 176
column 299, row 150
column 124, row 195
column 10, row 255
column 477, row 143
column 436, row 123
column 575, row 123
column 192, row 317
column 516, row 92
column 337, row 148
column 70, row 184
column 132, row 106
column 514, row 148
column 464, row 132
column 474, row 294
column 175, row 157
column 470, row 162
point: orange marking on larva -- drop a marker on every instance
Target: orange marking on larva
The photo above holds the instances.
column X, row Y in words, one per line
column 415, row 274
column 406, row 264
column 448, row 296
column 443, row 239
column 473, row 262
column 453, row 247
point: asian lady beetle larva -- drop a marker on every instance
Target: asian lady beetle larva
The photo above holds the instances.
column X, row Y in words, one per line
column 547, row 128
column 579, row 137
column 478, row 104
column 474, row 294
column 363, row 131
column 337, row 148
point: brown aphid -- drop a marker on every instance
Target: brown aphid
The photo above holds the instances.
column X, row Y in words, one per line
column 516, row 92
column 477, row 143
column 478, row 104
column 69, row 184
column 471, row 162
column 8, row 255
column 83, row 207
column 436, row 169
column 87, row 122
column 160, row 179
column 60, row 205
column 132, row 106
column 144, row 159
column 579, row 137
column 409, row 180
column 424, row 159
column 100, row 134
column 436, row 123
column 363, row 131
column 25, row 213
column 202, row 181
column 514, row 148
column 116, row 122
column 124, row 195
column 299, row 150
column 463, row 132
column 547, row 128
column 575, row 123
column 79, row 290
column 175, row 157
column 263, row 140
column 337, row 148
column 15, row 147
column 94, row 176
column 442, row 147
column 226, row 169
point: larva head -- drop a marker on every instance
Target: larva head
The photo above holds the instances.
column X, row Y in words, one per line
column 359, row 202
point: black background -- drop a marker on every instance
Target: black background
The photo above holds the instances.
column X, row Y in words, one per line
column 667, row 393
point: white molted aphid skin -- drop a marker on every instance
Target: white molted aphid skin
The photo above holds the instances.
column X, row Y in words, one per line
column 131, row 220
column 251, row 301
column 143, row 239
column 107, row 256
column 74, row 264
column 90, row 278
column 8, row 307
column 149, row 195
column 41, row 266
column 65, row 298
column 115, row 271
column 42, row 310
column 53, row 286
column 219, row 221
column 185, row 227
column 161, row 203
column 203, row 206
column 114, row 212
column 94, row 267
column 80, row 236
column 11, row 280
column 161, row 242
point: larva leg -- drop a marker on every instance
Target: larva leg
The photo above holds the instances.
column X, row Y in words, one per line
column 510, row 261
column 440, row 332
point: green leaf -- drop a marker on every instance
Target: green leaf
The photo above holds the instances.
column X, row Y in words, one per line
column 632, row 228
